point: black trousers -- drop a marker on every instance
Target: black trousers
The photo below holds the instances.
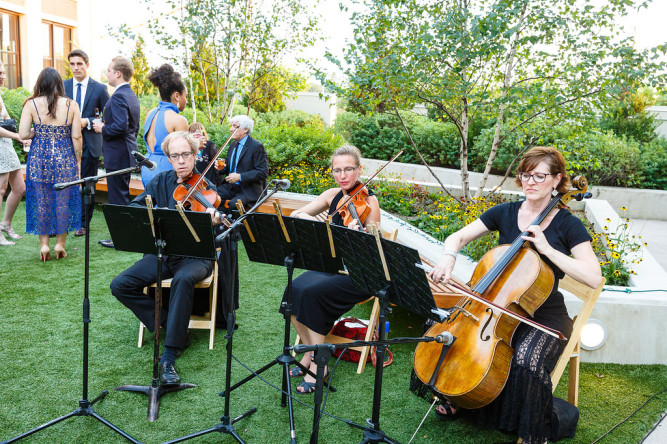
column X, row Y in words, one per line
column 128, row 287
column 89, row 167
column 118, row 188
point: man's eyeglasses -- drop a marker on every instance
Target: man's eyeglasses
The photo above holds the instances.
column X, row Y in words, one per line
column 348, row 170
column 537, row 177
column 185, row 155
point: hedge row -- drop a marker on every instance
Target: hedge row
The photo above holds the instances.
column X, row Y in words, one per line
column 601, row 156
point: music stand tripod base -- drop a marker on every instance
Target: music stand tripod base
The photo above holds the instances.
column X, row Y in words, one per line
column 154, row 394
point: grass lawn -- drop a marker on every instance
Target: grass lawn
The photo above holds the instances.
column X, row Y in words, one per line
column 40, row 372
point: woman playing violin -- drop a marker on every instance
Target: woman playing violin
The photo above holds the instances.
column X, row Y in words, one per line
column 318, row 299
column 524, row 406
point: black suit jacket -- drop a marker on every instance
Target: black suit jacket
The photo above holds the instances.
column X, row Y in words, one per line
column 121, row 125
column 253, row 166
column 96, row 97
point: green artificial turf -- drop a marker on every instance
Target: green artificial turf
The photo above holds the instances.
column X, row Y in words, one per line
column 41, row 379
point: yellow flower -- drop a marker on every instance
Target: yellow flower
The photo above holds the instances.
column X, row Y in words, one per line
column 617, row 273
column 624, row 209
column 615, row 255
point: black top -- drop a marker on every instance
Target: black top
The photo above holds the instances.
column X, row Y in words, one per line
column 161, row 189
column 564, row 232
column 207, row 153
column 337, row 219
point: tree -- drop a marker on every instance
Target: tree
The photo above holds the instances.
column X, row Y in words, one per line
column 139, row 81
column 269, row 87
column 229, row 45
column 524, row 64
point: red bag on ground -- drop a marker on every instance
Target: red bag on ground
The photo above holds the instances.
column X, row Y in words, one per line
column 355, row 329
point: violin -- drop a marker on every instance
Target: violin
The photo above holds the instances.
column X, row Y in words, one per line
column 195, row 194
column 355, row 208
column 509, row 283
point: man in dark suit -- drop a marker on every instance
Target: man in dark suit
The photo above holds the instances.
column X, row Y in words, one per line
column 119, row 129
column 247, row 165
column 91, row 96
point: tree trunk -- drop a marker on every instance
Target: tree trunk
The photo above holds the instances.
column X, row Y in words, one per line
column 465, row 177
column 509, row 66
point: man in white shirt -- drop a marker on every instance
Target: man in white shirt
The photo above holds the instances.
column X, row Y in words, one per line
column 91, row 96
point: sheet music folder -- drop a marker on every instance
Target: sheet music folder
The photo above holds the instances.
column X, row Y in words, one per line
column 130, row 229
column 408, row 285
column 308, row 241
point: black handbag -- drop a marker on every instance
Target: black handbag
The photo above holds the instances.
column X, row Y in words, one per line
column 9, row 125
column 564, row 419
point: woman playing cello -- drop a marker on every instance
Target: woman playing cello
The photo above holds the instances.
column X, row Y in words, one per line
column 318, row 299
column 524, row 406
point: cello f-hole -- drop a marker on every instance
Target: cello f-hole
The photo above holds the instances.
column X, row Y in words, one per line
column 481, row 333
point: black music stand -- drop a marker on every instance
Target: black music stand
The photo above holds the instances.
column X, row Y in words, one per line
column 290, row 242
column 132, row 229
column 401, row 283
column 85, row 406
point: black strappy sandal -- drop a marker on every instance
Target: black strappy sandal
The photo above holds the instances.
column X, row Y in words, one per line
column 450, row 414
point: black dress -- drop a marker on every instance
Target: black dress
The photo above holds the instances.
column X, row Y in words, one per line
column 319, row 299
column 204, row 157
column 525, row 404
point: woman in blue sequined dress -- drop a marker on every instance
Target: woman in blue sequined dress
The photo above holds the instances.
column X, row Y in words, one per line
column 164, row 119
column 55, row 156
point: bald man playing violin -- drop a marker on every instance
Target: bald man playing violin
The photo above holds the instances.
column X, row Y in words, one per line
column 180, row 148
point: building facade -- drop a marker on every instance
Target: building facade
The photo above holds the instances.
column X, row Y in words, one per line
column 35, row 34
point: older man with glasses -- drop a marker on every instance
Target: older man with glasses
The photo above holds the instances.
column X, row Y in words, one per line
column 247, row 165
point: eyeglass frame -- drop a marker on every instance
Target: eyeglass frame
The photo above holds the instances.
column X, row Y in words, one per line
column 525, row 177
column 186, row 155
column 337, row 171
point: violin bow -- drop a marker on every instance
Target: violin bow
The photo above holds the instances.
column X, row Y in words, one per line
column 555, row 333
column 208, row 167
column 351, row 196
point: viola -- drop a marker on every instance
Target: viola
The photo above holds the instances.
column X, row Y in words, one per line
column 513, row 279
column 195, row 194
column 355, row 208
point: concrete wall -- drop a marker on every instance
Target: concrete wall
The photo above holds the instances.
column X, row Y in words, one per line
column 312, row 103
column 660, row 113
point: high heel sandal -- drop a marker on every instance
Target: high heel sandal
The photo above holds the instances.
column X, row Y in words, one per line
column 60, row 252
column 309, row 387
column 4, row 242
column 9, row 231
column 45, row 254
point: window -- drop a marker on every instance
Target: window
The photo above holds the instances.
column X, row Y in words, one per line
column 56, row 45
column 9, row 48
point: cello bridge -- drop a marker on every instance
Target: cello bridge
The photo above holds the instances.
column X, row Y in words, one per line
column 466, row 313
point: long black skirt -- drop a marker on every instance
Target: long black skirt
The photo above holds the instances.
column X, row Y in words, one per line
column 319, row 299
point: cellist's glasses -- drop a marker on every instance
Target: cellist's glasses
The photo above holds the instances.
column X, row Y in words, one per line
column 537, row 177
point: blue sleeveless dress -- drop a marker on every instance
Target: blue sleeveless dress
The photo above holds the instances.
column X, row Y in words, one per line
column 52, row 160
column 155, row 153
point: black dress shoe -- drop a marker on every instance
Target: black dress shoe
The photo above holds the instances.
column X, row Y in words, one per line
column 80, row 232
column 168, row 374
column 106, row 243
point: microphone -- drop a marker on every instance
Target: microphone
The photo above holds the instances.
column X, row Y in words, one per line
column 444, row 338
column 283, row 184
column 143, row 161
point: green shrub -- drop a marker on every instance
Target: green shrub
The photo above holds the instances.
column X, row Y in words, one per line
column 604, row 159
column 653, row 160
column 510, row 147
column 14, row 99
column 380, row 136
column 292, row 145
column 288, row 118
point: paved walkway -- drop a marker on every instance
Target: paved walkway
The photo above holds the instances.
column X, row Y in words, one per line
column 654, row 233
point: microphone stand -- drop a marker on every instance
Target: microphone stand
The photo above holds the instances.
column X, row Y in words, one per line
column 226, row 424
column 85, row 407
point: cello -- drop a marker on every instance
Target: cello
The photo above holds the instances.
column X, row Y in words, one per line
column 509, row 283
